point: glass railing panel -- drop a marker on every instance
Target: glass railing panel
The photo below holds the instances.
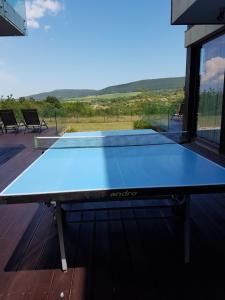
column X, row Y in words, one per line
column 18, row 6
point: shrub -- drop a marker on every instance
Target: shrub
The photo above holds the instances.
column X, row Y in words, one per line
column 70, row 129
column 142, row 124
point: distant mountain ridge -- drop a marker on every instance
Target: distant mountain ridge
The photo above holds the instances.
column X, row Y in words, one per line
column 65, row 93
column 136, row 86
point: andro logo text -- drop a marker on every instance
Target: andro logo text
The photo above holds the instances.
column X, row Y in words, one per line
column 123, row 194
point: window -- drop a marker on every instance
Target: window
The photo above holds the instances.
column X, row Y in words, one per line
column 212, row 68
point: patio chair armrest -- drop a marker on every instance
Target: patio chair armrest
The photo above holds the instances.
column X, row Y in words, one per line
column 22, row 123
column 44, row 123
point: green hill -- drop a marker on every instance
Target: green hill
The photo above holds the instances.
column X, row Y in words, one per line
column 136, row 86
column 62, row 94
column 149, row 84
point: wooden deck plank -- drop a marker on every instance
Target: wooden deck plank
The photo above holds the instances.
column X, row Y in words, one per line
column 102, row 280
column 36, row 235
column 82, row 276
column 5, row 212
column 139, row 258
column 42, row 284
column 61, row 284
column 7, row 152
column 22, row 217
column 122, row 272
column 78, row 289
column 18, row 285
column 14, row 296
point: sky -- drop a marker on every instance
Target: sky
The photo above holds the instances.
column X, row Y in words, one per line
column 91, row 44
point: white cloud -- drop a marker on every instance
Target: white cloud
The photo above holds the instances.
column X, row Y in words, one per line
column 37, row 9
column 31, row 23
column 47, row 27
column 214, row 69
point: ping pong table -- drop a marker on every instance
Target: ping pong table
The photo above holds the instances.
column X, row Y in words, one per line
column 103, row 171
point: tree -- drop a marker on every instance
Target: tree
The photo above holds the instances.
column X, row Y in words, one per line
column 53, row 101
column 22, row 99
column 10, row 97
column 47, row 111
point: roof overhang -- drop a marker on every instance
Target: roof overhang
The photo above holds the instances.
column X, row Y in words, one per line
column 197, row 12
column 9, row 29
column 11, row 23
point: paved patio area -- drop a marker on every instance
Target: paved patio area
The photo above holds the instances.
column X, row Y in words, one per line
column 132, row 252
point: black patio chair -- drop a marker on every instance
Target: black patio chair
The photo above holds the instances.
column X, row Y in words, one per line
column 9, row 120
column 1, row 127
column 32, row 121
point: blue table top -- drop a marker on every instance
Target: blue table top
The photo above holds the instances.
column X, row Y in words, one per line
column 108, row 168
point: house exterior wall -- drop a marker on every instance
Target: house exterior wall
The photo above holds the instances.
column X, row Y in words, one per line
column 198, row 33
column 197, row 12
column 196, row 37
column 179, row 7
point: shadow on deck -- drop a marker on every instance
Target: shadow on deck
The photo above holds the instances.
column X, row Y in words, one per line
column 113, row 253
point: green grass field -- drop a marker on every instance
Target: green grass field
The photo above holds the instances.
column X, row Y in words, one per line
column 102, row 123
column 104, row 97
column 93, row 123
column 79, row 127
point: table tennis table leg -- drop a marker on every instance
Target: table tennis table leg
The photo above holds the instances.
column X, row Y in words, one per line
column 60, row 234
column 187, row 231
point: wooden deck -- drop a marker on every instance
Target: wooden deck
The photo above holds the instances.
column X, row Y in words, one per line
column 113, row 253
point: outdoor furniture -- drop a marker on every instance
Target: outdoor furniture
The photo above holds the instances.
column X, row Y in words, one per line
column 32, row 121
column 179, row 113
column 1, row 127
column 115, row 166
column 9, row 120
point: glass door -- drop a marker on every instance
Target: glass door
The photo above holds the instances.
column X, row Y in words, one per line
column 212, row 68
